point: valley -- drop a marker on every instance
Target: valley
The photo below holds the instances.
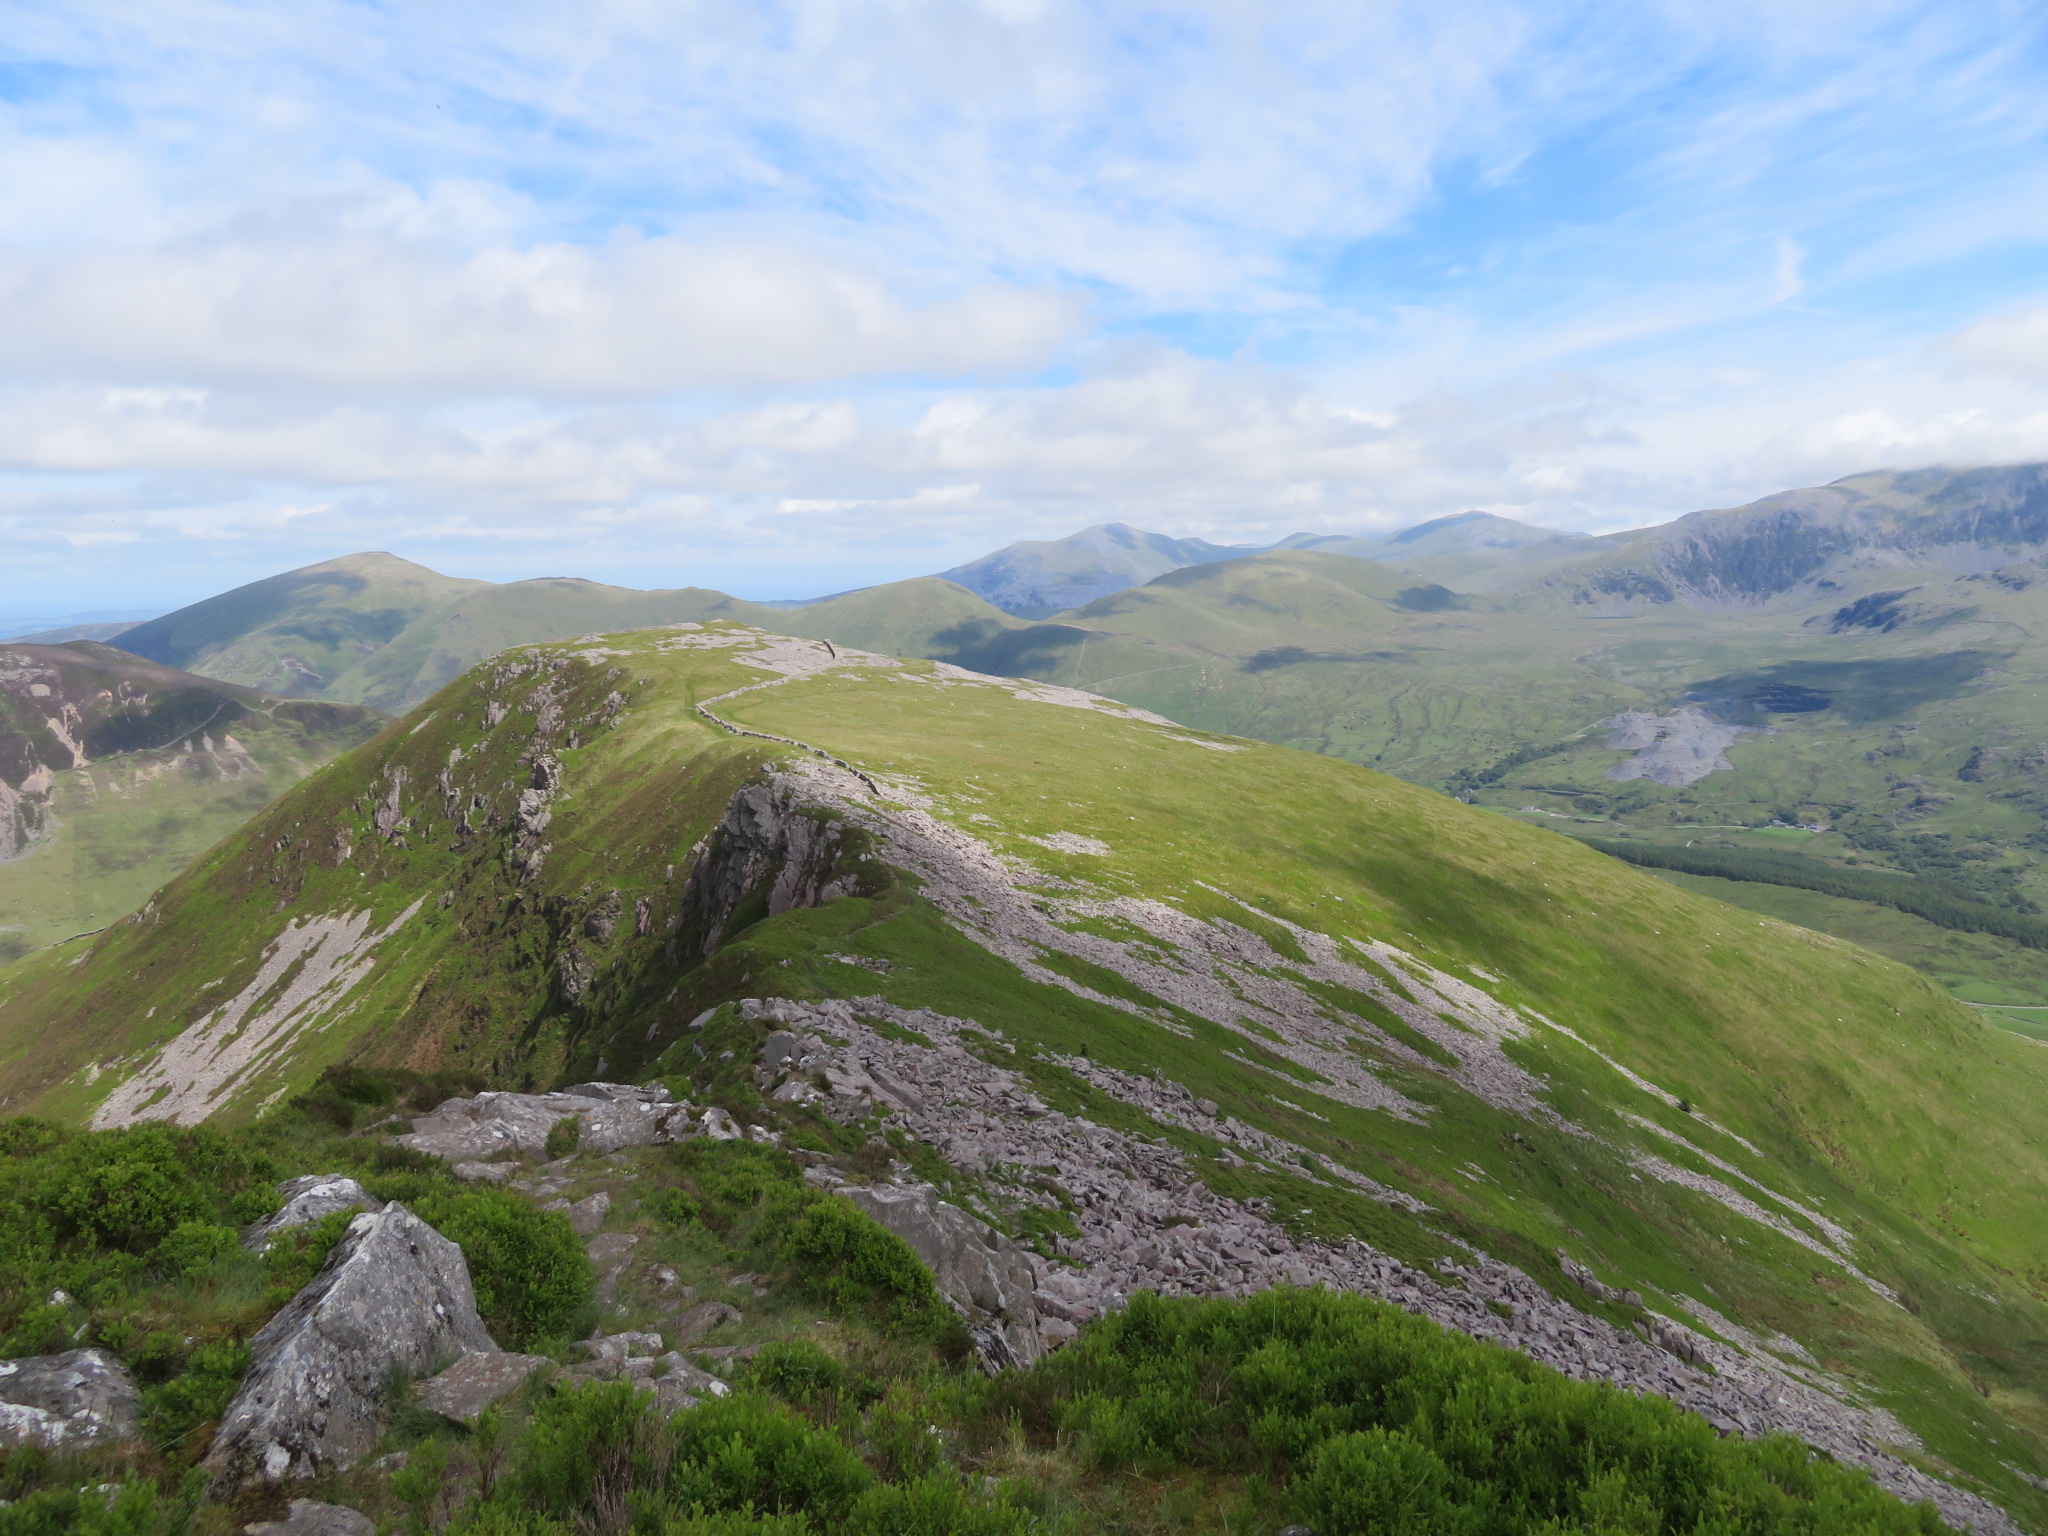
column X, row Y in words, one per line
column 116, row 774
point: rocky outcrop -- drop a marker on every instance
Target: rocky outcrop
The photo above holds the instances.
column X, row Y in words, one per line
column 394, row 1295
column 309, row 1198
column 987, row 1278
column 1145, row 1221
column 81, row 1397
column 309, row 1518
column 770, row 836
column 474, row 1382
column 614, row 1115
column 676, row 1382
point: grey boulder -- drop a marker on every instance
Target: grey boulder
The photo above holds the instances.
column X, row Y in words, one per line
column 308, row 1518
column 394, row 1295
column 474, row 1382
column 309, row 1198
column 81, row 1397
column 987, row 1278
column 614, row 1115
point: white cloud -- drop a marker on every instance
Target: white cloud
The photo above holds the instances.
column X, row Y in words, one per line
column 2015, row 345
column 633, row 317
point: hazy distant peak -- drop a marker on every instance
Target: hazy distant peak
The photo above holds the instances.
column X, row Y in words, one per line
column 1472, row 530
column 1035, row 578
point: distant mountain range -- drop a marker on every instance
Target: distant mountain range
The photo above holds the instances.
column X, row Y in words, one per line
column 1858, row 656
column 1035, row 579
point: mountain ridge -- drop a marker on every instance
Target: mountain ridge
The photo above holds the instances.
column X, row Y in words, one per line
column 1435, row 1043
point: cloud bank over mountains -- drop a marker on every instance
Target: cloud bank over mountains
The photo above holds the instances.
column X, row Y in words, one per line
column 783, row 298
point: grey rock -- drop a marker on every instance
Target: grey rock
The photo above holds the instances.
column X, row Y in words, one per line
column 585, row 1215
column 701, row 1319
column 614, row 1115
column 778, row 1048
column 309, row 1198
column 81, row 1397
column 621, row 1346
column 609, row 1253
column 984, row 1275
column 308, row 1518
column 393, row 1295
column 484, row 1173
column 720, row 1126
column 474, row 1382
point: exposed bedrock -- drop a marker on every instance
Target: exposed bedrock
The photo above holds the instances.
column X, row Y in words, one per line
column 1147, row 1221
column 393, row 1295
column 987, row 1278
column 81, row 1397
column 613, row 1115
column 769, row 837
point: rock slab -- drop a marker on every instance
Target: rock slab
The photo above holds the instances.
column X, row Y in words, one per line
column 308, row 1518
column 614, row 1115
column 474, row 1382
column 984, row 1275
column 81, row 1397
column 394, row 1295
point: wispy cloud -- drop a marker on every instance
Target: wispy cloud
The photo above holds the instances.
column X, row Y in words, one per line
column 653, row 289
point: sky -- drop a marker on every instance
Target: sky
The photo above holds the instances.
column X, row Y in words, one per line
column 786, row 298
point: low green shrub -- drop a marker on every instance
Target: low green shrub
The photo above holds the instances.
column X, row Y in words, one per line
column 798, row 1371
column 199, row 1392
column 528, row 1266
column 674, row 1208
column 1380, row 1421
column 731, row 1180
column 563, row 1137
column 295, row 1256
column 937, row 1504
column 743, row 1451
column 844, row 1258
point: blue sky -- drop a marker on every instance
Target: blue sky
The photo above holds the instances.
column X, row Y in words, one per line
column 788, row 298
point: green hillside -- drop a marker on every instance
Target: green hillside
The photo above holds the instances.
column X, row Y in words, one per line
column 115, row 774
column 374, row 629
column 1416, row 1024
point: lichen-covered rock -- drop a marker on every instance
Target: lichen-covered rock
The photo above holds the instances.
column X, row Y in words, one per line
column 81, row 1397
column 393, row 1295
column 614, row 1115
column 308, row 1518
column 988, row 1278
column 309, row 1198
column 699, row 1320
column 474, row 1382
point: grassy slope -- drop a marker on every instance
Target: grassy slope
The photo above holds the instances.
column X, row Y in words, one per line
column 1976, row 967
column 374, row 629
column 1932, row 727
column 1866, row 1091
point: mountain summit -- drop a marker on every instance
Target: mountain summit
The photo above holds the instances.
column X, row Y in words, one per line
column 1035, row 579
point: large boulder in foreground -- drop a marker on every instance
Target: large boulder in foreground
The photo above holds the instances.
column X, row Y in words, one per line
column 987, row 1278
column 81, row 1397
column 394, row 1295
